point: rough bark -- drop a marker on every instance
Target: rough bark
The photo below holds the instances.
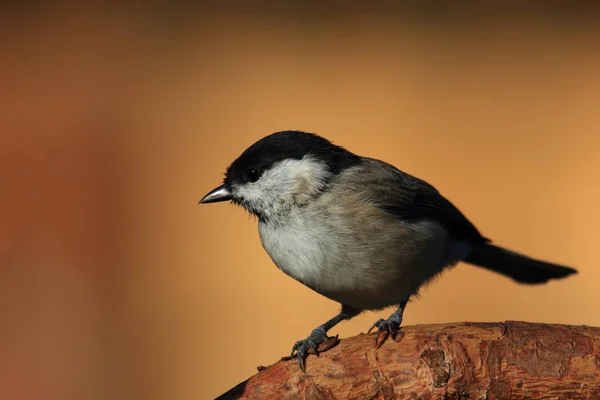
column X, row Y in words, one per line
column 510, row 360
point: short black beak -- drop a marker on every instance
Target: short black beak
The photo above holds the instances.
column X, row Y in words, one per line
column 214, row 196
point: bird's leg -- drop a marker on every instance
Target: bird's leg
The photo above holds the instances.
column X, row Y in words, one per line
column 319, row 335
column 390, row 326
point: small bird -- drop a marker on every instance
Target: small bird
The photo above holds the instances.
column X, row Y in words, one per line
column 358, row 230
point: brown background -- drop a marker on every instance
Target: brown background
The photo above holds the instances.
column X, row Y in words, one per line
column 113, row 124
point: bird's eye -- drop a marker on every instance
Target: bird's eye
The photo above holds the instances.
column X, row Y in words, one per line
column 252, row 174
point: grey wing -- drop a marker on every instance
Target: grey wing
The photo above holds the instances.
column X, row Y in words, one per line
column 411, row 198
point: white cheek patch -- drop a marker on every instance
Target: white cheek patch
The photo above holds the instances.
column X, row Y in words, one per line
column 285, row 184
column 310, row 177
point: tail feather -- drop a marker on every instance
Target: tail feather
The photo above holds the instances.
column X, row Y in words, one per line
column 516, row 266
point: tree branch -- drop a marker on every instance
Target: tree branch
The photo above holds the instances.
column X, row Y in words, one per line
column 511, row 360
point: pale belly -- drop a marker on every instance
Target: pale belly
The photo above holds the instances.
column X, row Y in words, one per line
column 368, row 267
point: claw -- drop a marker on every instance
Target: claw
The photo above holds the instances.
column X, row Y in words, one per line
column 398, row 337
column 385, row 329
column 301, row 361
column 313, row 347
column 385, row 335
column 375, row 325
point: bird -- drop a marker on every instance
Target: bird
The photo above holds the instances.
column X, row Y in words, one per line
column 358, row 230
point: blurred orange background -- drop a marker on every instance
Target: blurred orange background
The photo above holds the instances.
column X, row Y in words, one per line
column 114, row 123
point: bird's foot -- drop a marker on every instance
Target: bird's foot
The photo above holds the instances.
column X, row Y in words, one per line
column 316, row 342
column 385, row 328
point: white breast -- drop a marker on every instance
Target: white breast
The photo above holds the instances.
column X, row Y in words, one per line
column 299, row 249
column 355, row 265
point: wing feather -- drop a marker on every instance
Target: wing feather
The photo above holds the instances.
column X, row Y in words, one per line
column 410, row 198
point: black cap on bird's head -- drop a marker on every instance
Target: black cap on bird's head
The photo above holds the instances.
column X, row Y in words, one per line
column 274, row 149
column 286, row 145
